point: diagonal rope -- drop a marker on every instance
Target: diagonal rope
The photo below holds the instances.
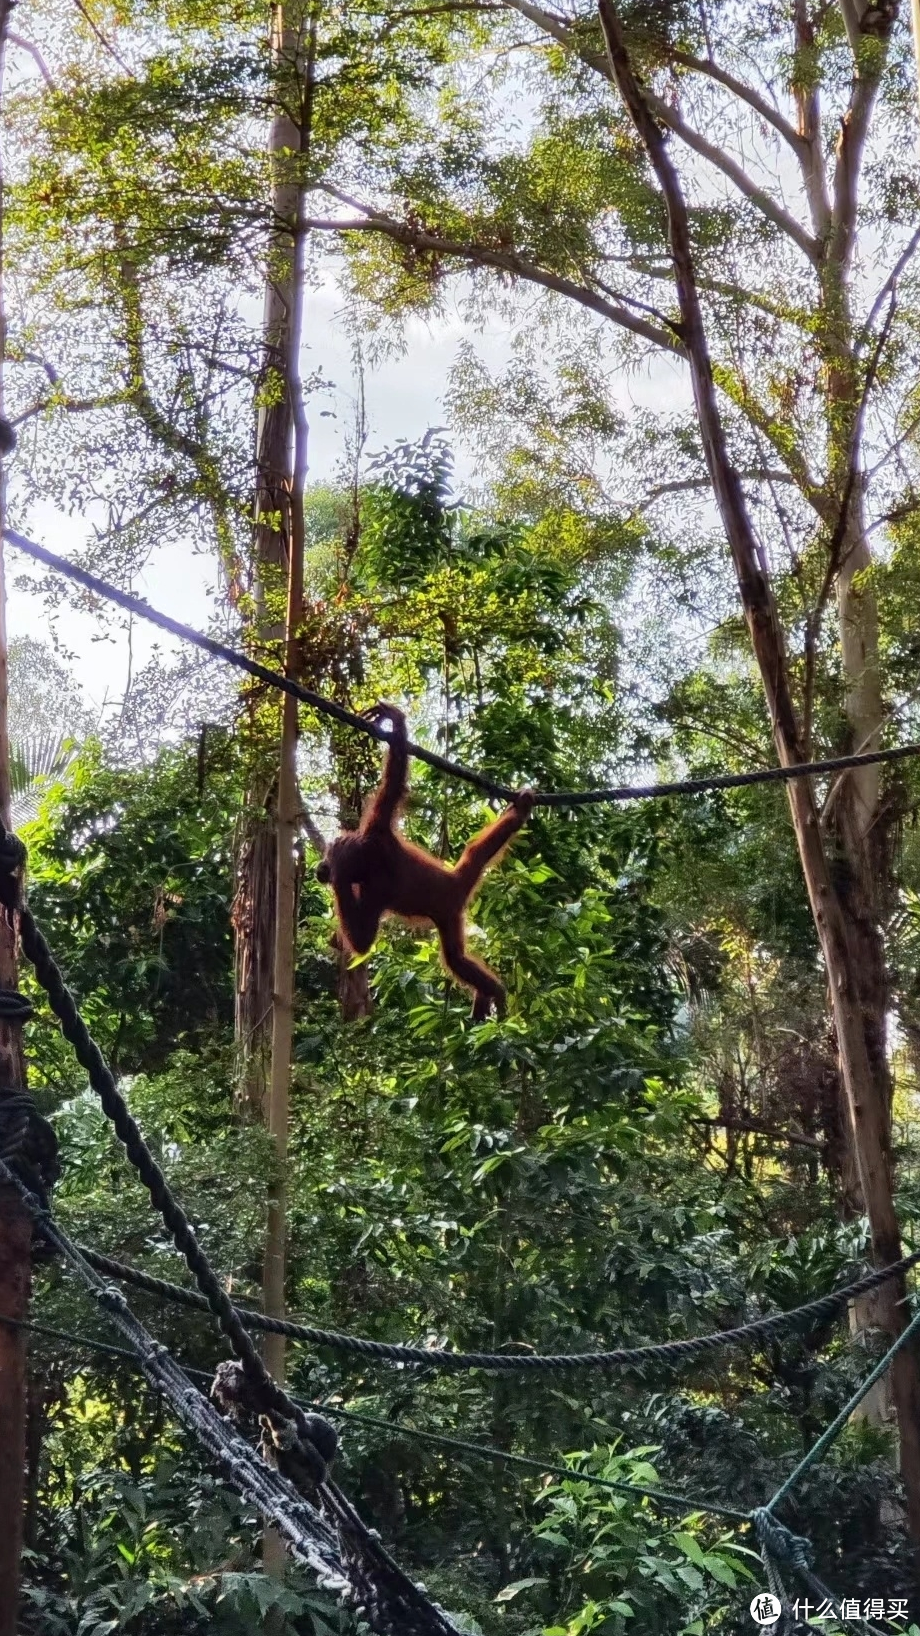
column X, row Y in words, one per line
column 467, row 775
column 310, row 1537
column 685, row 1503
column 779, row 1546
column 820, row 1447
column 440, row 1358
column 390, row 1602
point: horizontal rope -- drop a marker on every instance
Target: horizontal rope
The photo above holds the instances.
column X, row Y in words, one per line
column 467, row 775
column 515, row 1362
column 390, row 1603
column 684, row 1503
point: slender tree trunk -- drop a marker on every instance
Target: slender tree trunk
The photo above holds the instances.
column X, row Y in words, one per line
column 15, row 1226
column 287, row 496
column 287, row 890
column 857, row 826
column 257, row 850
column 286, row 870
column 867, row 1098
column 915, row 24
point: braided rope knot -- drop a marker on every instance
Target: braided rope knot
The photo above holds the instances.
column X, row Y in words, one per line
column 15, row 1007
column 300, row 1447
column 12, row 863
column 779, row 1542
column 28, row 1143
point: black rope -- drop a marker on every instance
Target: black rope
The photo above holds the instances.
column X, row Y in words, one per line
column 351, row 1561
column 685, row 1503
column 390, row 1602
column 28, row 1142
column 521, row 1362
column 15, row 1007
column 466, row 775
column 779, row 1545
column 88, row 1054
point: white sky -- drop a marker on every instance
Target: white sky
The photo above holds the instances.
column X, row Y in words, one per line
column 403, row 398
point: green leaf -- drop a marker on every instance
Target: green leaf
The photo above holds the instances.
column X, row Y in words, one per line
column 509, row 1592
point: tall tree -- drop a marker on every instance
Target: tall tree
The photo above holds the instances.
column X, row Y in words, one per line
column 660, row 215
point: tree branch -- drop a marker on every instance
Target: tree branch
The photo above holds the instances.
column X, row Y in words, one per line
column 314, row 835
column 686, row 485
column 505, row 261
column 39, row 61
column 854, row 130
column 834, row 557
column 753, row 1127
column 746, row 93
column 782, row 219
column 715, row 156
column 756, row 592
column 892, row 280
column 808, row 102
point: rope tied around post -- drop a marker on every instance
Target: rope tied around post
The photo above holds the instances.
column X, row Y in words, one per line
column 28, row 1142
column 13, row 857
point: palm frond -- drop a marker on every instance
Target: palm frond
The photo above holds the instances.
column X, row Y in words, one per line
column 35, row 764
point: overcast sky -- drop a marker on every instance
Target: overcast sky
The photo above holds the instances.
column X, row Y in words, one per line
column 403, row 397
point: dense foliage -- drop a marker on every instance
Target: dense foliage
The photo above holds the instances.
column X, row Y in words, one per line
column 653, row 1143
column 547, row 1181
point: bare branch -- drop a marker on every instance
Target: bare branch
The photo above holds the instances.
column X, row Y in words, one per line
column 746, row 93
column 834, row 558
column 754, row 1127
column 105, row 43
column 755, row 589
column 687, row 485
column 892, row 279
column 15, row 356
column 854, row 130
column 314, row 835
column 781, row 218
column 505, row 261
column 720, row 160
column 39, row 61
column 849, row 12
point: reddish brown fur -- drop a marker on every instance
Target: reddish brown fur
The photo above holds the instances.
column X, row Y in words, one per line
column 374, row 871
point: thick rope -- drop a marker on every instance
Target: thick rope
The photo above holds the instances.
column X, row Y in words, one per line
column 309, row 1536
column 441, row 1359
column 350, row 1561
column 466, row 775
column 822, row 1444
column 116, row 1109
column 684, row 1503
column 780, row 1547
column 390, row 1602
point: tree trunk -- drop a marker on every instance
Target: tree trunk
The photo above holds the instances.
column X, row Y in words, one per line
column 283, row 449
column 257, row 848
column 15, row 1224
column 867, row 1097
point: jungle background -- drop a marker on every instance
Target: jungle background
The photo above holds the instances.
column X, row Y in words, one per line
column 653, row 1143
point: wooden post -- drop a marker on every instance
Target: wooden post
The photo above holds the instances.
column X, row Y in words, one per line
column 15, row 1226
column 15, row 1241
